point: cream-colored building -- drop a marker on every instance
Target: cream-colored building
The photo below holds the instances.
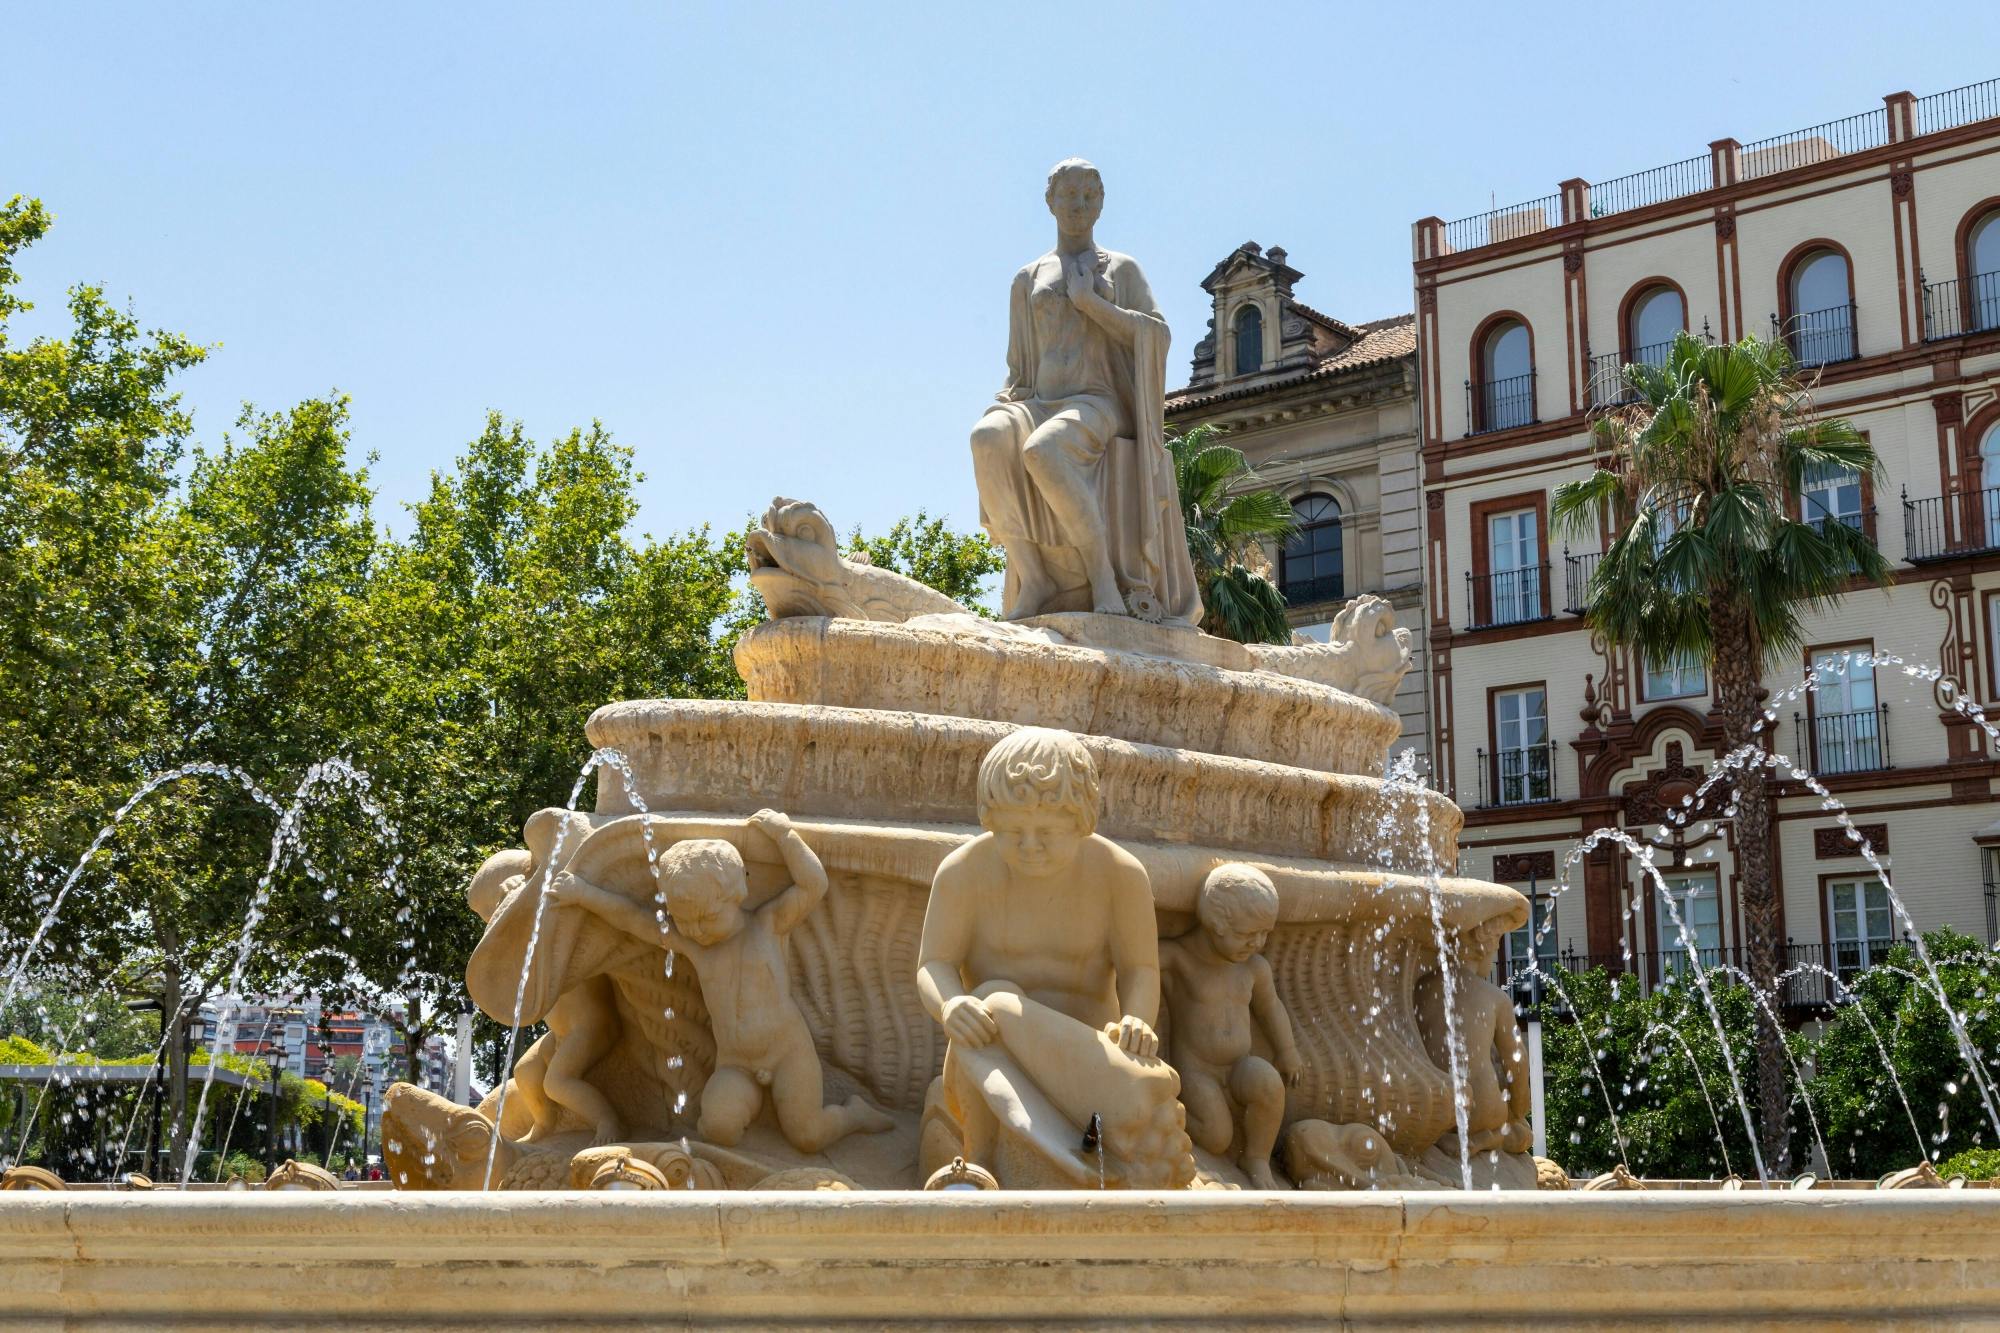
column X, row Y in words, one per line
column 1326, row 413
column 1873, row 244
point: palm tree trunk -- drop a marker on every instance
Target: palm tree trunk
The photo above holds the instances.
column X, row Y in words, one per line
column 1738, row 690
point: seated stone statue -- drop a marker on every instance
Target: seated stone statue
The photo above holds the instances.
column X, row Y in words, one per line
column 1040, row 958
column 1074, row 479
column 761, row 1039
column 1219, row 992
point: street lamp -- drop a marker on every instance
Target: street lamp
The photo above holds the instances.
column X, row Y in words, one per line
column 277, row 1056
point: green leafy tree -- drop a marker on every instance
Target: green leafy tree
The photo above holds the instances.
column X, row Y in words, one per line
column 1706, row 559
column 1880, row 1115
column 1654, row 1060
column 1229, row 521
column 518, row 604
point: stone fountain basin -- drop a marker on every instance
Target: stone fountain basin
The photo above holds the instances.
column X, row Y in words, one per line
column 1135, row 696
column 894, row 767
column 1058, row 1260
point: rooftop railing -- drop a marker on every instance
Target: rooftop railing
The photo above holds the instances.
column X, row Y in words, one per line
column 1655, row 185
column 1818, row 143
column 1503, row 224
column 1765, row 157
column 1960, row 106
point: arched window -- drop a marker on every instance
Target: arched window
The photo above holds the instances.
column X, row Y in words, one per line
column 1249, row 340
column 1656, row 316
column 1311, row 570
column 1820, row 322
column 1989, row 483
column 1982, row 273
column 1505, row 394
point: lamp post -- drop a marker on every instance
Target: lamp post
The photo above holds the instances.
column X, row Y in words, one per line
column 1528, row 866
column 159, row 1081
column 277, row 1055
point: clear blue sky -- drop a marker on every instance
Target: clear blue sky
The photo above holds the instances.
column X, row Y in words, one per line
column 769, row 245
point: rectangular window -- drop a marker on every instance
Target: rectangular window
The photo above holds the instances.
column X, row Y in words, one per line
column 1863, row 925
column 1832, row 494
column 1700, row 910
column 1521, row 751
column 1680, row 678
column 1847, row 724
column 1514, row 590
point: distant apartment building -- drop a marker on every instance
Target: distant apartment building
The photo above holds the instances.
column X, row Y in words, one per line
column 1326, row 413
column 1872, row 244
column 307, row 1039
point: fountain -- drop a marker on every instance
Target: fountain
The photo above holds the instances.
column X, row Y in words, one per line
column 973, row 965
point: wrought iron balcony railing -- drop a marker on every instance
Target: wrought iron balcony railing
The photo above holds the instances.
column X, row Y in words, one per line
column 1510, row 597
column 1819, row 337
column 1307, row 592
column 1522, row 775
column 1577, row 570
column 1953, row 308
column 1500, row 404
column 1944, row 527
column 1853, row 742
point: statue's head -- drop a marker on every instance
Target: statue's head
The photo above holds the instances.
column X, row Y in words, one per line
column 1038, row 798
column 705, row 887
column 1075, row 194
column 1238, row 906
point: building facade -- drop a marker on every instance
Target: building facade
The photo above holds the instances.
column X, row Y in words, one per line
column 1326, row 413
column 1872, row 244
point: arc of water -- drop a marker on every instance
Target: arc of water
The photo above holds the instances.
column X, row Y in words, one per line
column 1764, row 1002
column 222, row 1152
column 1396, row 783
column 97, row 843
column 1721, row 1140
column 83, row 1016
column 1596, row 1070
column 326, row 772
column 1881, row 1050
column 1644, row 855
column 1746, row 754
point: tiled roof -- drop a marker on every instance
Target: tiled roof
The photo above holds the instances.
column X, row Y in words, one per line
column 1378, row 341
column 1324, row 321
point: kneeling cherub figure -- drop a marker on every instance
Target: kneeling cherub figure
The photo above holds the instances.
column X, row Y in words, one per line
column 1217, row 986
column 761, row 1037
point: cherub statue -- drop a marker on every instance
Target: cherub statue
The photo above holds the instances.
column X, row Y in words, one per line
column 1496, row 1059
column 1040, row 959
column 761, row 1038
column 1218, row 987
column 583, row 1024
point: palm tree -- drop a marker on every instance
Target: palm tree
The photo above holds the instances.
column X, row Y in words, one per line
column 1708, row 559
column 1226, row 533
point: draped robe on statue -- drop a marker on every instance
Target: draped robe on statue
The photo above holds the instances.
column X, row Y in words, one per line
column 1115, row 394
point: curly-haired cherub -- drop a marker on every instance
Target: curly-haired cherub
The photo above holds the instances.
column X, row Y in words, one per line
column 761, row 1037
column 1219, row 989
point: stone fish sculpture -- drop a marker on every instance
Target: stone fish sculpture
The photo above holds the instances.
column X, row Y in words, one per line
column 994, row 825
column 797, row 568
